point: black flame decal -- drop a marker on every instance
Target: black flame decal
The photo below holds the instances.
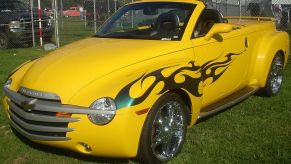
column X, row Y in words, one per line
column 212, row 66
column 191, row 84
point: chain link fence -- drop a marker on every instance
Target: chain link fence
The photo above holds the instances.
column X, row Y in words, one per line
column 22, row 24
column 27, row 23
column 82, row 19
column 279, row 9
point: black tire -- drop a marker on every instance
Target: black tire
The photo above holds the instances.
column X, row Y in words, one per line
column 3, row 41
column 275, row 76
column 150, row 150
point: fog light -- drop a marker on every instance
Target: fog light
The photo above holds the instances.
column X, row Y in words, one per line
column 84, row 148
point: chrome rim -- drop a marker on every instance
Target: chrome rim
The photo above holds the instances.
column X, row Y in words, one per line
column 168, row 131
column 276, row 74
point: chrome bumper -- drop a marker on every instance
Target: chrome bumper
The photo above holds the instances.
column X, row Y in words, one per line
column 37, row 119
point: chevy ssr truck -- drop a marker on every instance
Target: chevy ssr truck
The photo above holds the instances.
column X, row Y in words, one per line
column 151, row 71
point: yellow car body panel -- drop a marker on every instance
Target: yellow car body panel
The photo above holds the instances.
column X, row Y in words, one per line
column 84, row 71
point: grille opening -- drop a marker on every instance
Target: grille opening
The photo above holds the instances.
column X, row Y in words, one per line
column 52, row 124
column 52, row 134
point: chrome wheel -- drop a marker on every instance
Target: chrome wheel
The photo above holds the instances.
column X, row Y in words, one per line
column 276, row 74
column 168, row 130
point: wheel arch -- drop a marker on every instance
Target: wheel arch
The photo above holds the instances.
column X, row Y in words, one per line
column 193, row 103
column 263, row 53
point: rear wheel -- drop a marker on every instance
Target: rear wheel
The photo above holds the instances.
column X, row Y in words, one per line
column 275, row 76
column 3, row 41
column 164, row 130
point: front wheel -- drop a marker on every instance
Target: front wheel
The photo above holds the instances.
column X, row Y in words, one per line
column 164, row 130
column 275, row 76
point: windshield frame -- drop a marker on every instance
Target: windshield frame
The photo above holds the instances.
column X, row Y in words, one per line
column 190, row 7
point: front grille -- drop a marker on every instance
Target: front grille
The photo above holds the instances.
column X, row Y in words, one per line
column 40, row 115
column 38, row 125
column 27, row 24
column 26, row 27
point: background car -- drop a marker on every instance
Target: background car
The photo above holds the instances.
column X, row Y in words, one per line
column 72, row 12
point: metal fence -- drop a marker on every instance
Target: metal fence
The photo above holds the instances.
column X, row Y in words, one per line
column 21, row 24
column 279, row 9
column 27, row 23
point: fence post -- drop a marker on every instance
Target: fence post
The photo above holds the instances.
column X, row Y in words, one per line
column 61, row 14
column 226, row 8
column 32, row 22
column 239, row 8
column 108, row 8
column 40, row 23
column 246, row 7
column 56, row 24
column 115, row 1
column 85, row 18
column 95, row 26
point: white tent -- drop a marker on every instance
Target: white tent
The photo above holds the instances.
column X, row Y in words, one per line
column 282, row 2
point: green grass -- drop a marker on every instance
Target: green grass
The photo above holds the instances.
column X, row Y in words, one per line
column 256, row 130
column 72, row 29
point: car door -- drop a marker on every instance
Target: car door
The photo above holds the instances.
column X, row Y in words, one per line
column 223, row 59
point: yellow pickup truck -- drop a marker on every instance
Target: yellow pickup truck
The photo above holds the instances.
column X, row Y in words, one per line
column 151, row 71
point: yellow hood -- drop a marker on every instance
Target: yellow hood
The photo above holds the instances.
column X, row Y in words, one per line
column 67, row 70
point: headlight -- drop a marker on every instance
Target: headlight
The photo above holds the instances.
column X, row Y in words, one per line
column 14, row 24
column 104, row 104
column 8, row 83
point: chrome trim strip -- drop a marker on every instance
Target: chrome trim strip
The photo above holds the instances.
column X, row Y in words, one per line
column 36, row 137
column 48, row 106
column 38, row 117
column 38, row 128
column 38, row 94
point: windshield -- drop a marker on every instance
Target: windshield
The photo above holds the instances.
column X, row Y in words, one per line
column 12, row 6
column 150, row 20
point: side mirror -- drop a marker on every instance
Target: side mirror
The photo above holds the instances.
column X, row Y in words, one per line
column 218, row 28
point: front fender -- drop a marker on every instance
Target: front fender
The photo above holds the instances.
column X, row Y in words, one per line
column 263, row 53
column 135, row 89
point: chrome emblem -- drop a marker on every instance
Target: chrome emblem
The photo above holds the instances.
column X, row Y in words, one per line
column 38, row 94
column 28, row 105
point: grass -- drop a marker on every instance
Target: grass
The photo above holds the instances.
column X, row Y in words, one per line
column 256, row 130
column 75, row 26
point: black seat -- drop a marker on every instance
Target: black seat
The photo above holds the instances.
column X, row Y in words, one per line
column 167, row 25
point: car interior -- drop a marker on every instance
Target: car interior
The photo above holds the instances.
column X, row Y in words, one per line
column 205, row 22
column 167, row 25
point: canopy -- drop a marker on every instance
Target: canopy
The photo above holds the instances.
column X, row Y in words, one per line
column 283, row 2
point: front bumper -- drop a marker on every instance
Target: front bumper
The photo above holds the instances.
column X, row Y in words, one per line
column 24, row 36
column 36, row 119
